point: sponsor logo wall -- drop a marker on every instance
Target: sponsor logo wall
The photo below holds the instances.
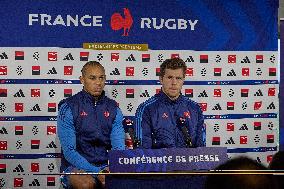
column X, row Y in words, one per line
column 237, row 91
column 281, row 96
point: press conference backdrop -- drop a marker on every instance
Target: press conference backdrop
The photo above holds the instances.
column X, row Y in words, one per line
column 281, row 96
column 232, row 72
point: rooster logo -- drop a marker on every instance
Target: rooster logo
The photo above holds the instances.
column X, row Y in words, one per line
column 117, row 21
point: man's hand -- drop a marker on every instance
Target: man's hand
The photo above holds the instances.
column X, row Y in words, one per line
column 102, row 177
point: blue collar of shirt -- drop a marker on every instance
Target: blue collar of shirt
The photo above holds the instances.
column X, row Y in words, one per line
column 166, row 99
column 92, row 99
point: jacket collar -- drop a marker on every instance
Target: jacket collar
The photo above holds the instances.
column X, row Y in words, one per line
column 166, row 99
column 91, row 98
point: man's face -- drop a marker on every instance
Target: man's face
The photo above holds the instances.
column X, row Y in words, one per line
column 172, row 82
column 94, row 80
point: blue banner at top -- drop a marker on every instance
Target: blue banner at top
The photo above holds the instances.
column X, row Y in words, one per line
column 183, row 25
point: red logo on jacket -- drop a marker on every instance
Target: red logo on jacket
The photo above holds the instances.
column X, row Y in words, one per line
column 83, row 113
column 106, row 114
column 165, row 115
column 186, row 114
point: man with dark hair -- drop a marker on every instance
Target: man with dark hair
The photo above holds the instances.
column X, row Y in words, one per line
column 242, row 173
column 277, row 163
column 169, row 119
column 89, row 124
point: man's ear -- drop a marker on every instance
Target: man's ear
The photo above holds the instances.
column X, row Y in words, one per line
column 161, row 79
column 81, row 79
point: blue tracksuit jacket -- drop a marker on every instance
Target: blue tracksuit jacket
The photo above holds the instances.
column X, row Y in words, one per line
column 156, row 126
column 87, row 129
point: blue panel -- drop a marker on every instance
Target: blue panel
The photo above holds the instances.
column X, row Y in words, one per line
column 220, row 25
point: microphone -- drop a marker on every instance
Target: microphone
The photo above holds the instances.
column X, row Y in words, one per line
column 181, row 124
column 131, row 140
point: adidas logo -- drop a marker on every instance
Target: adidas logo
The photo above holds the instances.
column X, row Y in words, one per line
column 258, row 93
column 131, row 58
column 244, row 127
column 34, row 183
column 203, row 94
column 145, row 94
column 3, row 56
column 51, row 145
column 115, row 72
column 232, row 73
column 230, row 141
column 18, row 169
column 35, row 108
column 217, row 107
column 52, row 71
column 271, row 106
column 189, row 59
column 3, row 131
column 19, row 94
column 68, row 57
column 245, row 60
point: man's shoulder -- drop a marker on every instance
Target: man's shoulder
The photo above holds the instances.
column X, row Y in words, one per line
column 191, row 103
column 75, row 96
column 72, row 99
column 151, row 102
column 110, row 101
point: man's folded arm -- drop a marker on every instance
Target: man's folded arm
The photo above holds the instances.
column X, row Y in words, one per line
column 117, row 135
column 143, row 128
column 67, row 137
